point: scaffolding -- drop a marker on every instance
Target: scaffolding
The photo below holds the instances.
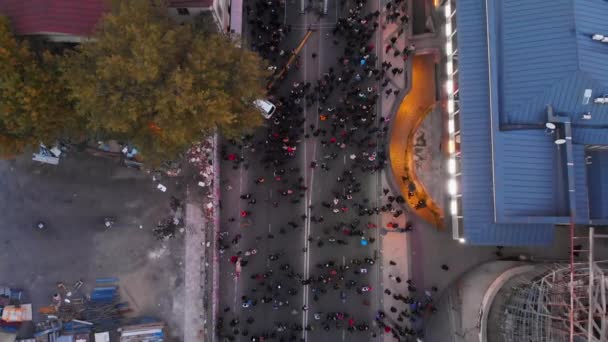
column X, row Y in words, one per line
column 561, row 301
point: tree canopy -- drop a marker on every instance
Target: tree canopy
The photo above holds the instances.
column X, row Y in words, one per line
column 160, row 85
column 33, row 102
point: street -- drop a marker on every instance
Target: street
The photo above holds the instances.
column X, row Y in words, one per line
column 297, row 233
column 302, row 171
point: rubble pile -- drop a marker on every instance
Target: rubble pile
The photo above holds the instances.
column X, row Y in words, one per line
column 201, row 157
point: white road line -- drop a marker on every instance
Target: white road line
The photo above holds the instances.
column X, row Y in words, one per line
column 345, row 159
column 312, row 181
column 320, row 58
column 306, row 223
column 269, row 227
column 321, row 25
column 336, row 19
column 310, row 185
column 302, row 6
column 235, row 294
column 241, row 176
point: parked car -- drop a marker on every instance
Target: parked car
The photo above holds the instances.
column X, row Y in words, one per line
column 266, row 107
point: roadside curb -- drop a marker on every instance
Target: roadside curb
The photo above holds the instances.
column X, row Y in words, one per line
column 215, row 233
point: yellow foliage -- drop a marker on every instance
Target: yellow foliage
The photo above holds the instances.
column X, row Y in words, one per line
column 142, row 68
column 33, row 106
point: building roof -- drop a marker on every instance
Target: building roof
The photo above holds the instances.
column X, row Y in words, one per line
column 598, row 176
column 191, row 3
column 66, row 17
column 73, row 17
column 516, row 57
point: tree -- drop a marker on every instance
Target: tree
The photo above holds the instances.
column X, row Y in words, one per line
column 33, row 103
column 161, row 85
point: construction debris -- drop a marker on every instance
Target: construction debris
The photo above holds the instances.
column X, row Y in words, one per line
column 150, row 332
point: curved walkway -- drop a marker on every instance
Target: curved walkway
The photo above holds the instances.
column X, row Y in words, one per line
column 417, row 104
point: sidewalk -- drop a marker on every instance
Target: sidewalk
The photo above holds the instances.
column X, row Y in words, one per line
column 201, row 269
column 194, row 320
column 394, row 245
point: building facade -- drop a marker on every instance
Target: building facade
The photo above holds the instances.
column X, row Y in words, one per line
column 514, row 300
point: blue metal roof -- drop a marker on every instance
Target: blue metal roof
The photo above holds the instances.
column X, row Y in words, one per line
column 512, row 235
column 566, row 96
column 581, row 184
column 537, row 46
column 548, row 56
column 590, row 136
column 598, row 179
column 590, row 18
column 476, row 164
column 526, row 182
column 514, row 59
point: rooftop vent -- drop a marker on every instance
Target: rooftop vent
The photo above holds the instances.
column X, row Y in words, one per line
column 601, row 100
column 587, row 96
column 600, row 38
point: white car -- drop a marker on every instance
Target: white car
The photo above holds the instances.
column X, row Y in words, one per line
column 266, row 107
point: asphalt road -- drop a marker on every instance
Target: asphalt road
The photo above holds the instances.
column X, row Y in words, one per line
column 298, row 246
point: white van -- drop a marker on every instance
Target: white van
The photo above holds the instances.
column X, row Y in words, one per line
column 266, row 107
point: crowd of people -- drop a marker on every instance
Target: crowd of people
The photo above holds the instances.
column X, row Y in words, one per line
column 348, row 131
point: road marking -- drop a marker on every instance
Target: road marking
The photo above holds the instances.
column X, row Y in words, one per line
column 343, row 260
column 306, row 223
column 336, row 20
column 235, row 293
column 343, row 333
column 269, row 227
column 240, row 207
column 345, row 159
column 311, row 183
column 313, row 26
column 319, row 58
column 302, row 6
